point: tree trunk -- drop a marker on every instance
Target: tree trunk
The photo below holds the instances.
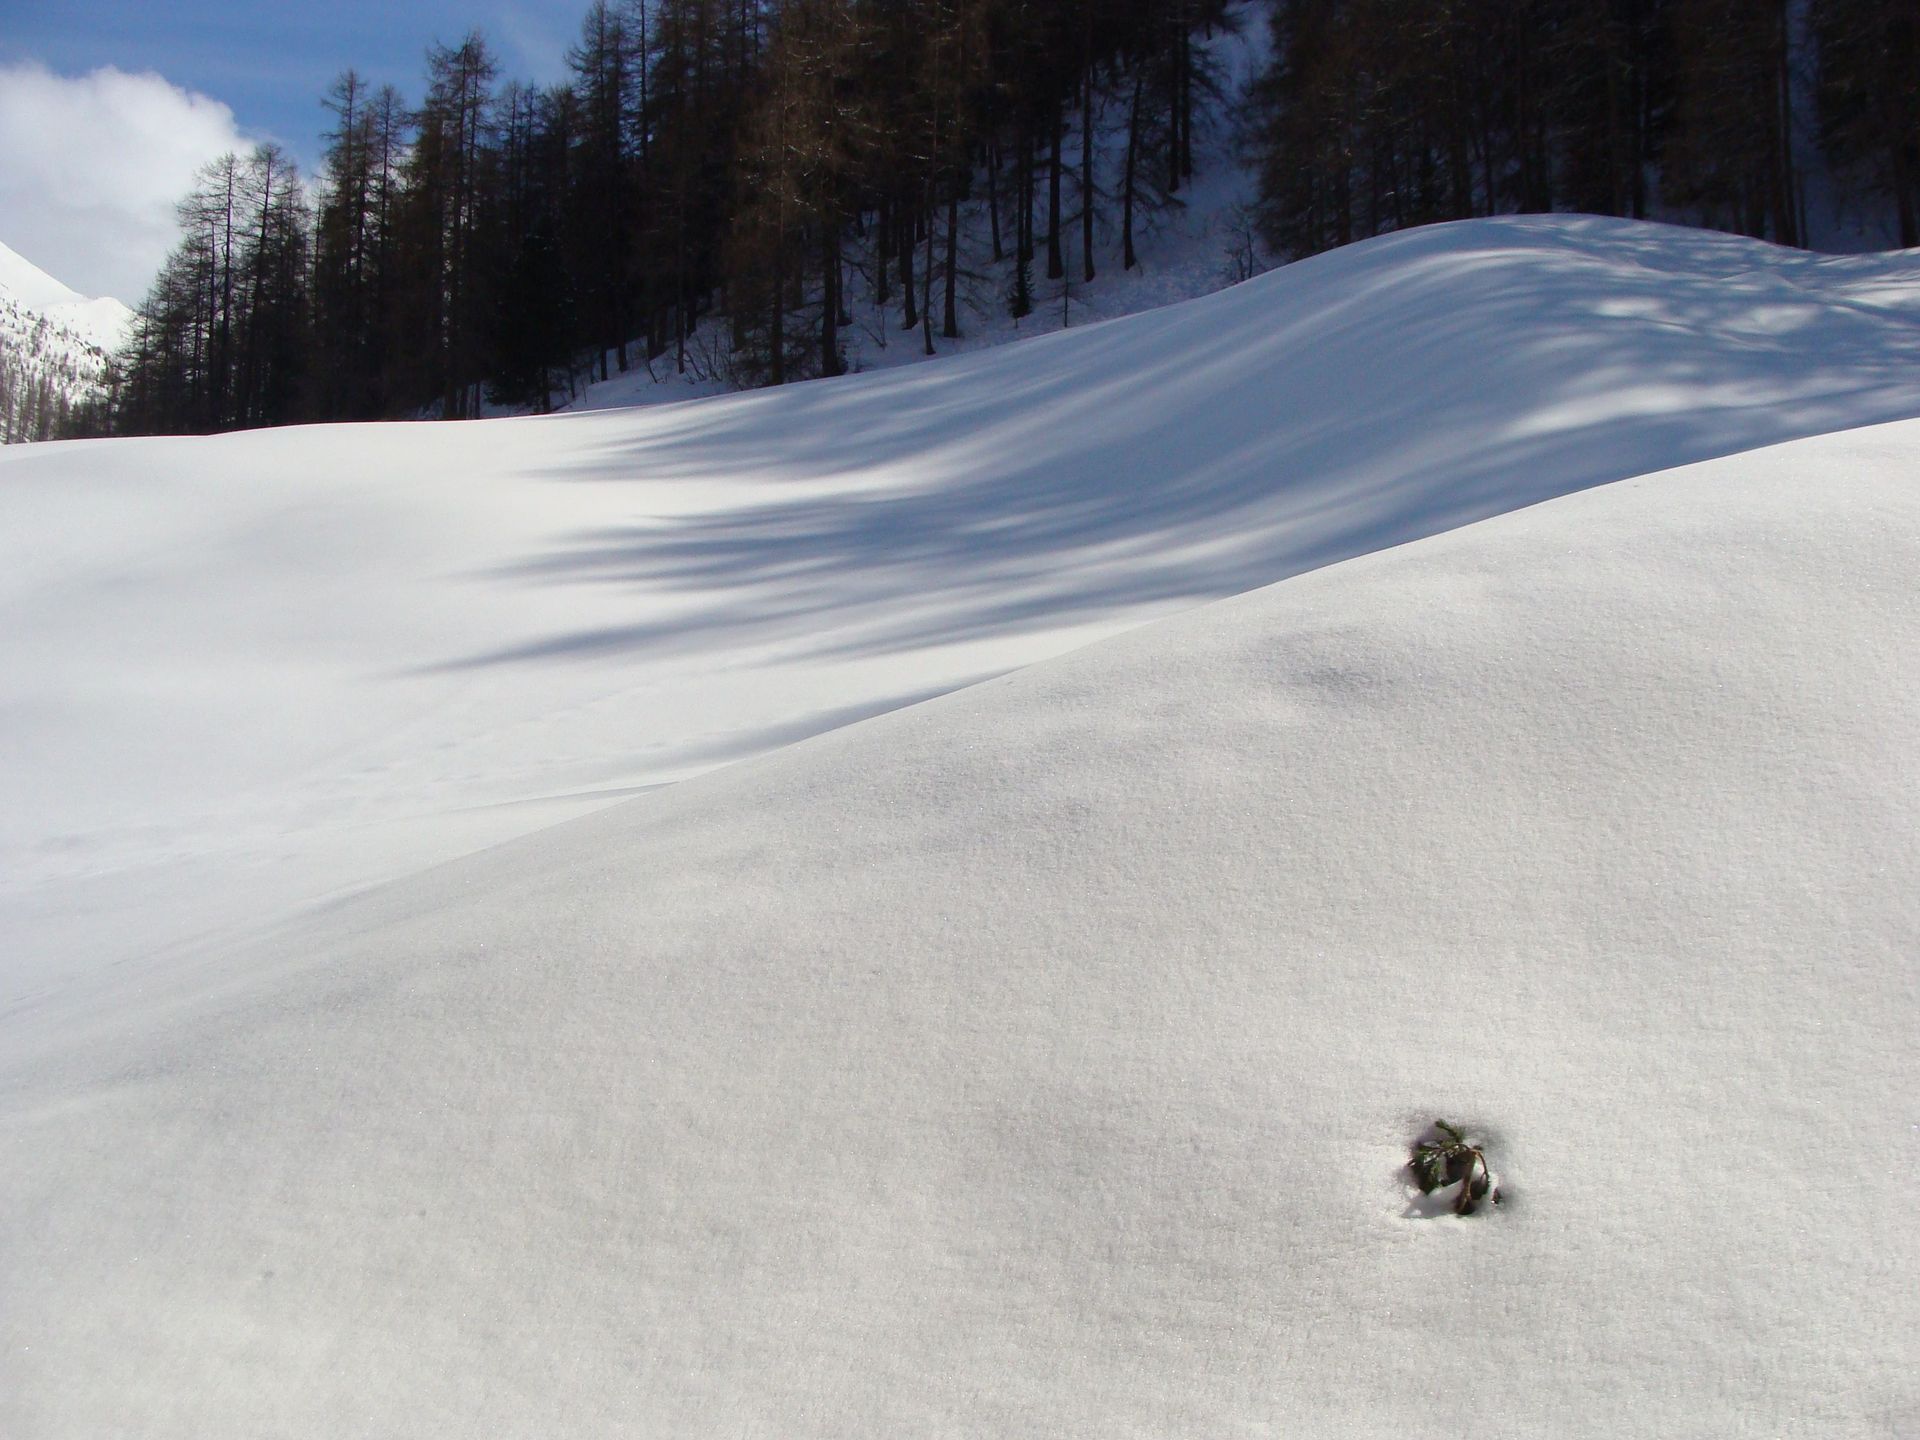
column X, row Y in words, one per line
column 926, row 279
column 1786, row 230
column 1127, row 258
column 993, row 198
column 951, row 326
column 1186, row 95
column 777, row 333
column 1086, row 168
column 1023, row 247
column 830, row 298
column 1174, row 67
column 908, row 299
column 1056, row 265
column 1903, row 196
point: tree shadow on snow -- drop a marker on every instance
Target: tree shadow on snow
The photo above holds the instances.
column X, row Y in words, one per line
column 1349, row 403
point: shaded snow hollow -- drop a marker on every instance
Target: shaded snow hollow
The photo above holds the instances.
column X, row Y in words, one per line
column 1039, row 1059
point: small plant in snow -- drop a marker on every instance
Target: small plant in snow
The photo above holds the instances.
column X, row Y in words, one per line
column 1242, row 254
column 1445, row 1156
column 1020, row 290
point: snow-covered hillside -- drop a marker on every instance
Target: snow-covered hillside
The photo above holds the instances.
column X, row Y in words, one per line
column 1040, row 1059
column 54, row 344
column 251, row 670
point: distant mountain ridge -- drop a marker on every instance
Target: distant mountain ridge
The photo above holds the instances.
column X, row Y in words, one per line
column 54, row 348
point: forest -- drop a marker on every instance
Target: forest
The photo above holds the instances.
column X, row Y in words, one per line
column 752, row 161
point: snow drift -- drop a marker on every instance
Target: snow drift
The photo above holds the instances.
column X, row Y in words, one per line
column 240, row 673
column 1040, row 1059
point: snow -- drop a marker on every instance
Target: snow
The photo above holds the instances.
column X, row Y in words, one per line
column 102, row 323
column 53, row 345
column 31, row 285
column 256, row 670
column 1040, row 1058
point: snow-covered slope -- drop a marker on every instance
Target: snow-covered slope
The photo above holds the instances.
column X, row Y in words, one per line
column 249, row 671
column 1041, row 1060
column 32, row 286
column 101, row 323
column 54, row 344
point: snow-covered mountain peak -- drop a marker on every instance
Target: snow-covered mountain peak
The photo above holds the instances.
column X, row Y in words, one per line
column 99, row 320
column 27, row 283
column 54, row 344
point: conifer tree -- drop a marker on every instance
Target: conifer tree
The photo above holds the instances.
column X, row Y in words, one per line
column 444, row 184
column 1867, row 96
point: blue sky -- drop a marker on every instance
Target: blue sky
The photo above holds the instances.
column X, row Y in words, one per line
column 270, row 63
column 109, row 107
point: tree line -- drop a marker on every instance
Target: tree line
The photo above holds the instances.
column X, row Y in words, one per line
column 1380, row 114
column 754, row 161
column 743, row 159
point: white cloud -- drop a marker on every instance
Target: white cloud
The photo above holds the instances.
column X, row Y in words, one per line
column 92, row 168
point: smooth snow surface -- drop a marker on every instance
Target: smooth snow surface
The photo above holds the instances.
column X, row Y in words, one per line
column 1038, row 1060
column 245, row 672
